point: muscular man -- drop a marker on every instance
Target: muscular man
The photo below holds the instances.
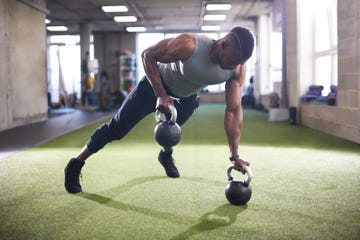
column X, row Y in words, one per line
column 178, row 67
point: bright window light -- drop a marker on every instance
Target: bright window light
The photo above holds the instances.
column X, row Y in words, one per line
column 136, row 29
column 125, row 19
column 114, row 8
column 47, row 21
column 214, row 7
column 56, row 28
column 214, row 17
column 210, row 28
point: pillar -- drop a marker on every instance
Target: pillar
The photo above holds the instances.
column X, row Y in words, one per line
column 85, row 33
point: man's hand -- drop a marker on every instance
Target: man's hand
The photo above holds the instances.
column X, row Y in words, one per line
column 162, row 104
column 239, row 164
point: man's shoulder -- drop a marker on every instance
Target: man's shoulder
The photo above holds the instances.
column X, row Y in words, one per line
column 186, row 36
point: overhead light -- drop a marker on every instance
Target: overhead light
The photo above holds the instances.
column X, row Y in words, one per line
column 125, row 19
column 56, row 28
column 114, row 8
column 47, row 21
column 210, row 28
column 136, row 29
column 214, row 17
column 214, row 7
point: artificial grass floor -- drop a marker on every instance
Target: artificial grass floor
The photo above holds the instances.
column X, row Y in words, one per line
column 305, row 186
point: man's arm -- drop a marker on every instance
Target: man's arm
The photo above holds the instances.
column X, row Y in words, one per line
column 233, row 114
column 165, row 51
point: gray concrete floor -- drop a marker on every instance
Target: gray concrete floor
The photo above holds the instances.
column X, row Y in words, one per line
column 62, row 121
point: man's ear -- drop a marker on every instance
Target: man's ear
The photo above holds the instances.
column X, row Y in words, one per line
column 224, row 43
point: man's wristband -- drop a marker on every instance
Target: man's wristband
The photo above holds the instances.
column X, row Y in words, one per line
column 234, row 157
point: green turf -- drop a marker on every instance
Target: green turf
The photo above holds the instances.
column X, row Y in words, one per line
column 305, row 186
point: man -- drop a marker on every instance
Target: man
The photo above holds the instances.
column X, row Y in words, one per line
column 178, row 68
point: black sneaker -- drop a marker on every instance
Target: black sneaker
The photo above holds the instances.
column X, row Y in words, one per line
column 168, row 163
column 72, row 174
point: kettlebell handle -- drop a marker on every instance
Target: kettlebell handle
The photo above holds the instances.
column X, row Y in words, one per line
column 247, row 170
column 159, row 116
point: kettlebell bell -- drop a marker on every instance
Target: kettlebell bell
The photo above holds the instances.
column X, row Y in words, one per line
column 167, row 132
column 238, row 192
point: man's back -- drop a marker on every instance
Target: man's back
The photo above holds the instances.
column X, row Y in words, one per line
column 188, row 77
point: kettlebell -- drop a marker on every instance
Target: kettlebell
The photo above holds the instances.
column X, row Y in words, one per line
column 167, row 132
column 238, row 192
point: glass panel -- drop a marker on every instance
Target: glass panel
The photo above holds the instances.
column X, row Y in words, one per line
column 145, row 40
column 325, row 42
column 325, row 19
column 323, row 73
column 334, row 80
column 53, row 87
column 332, row 17
column 65, row 39
column 65, row 47
column 322, row 35
column 70, row 66
column 276, row 50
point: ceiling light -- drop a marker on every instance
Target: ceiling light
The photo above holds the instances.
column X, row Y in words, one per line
column 56, row 28
column 210, row 28
column 136, row 29
column 125, row 19
column 214, row 17
column 114, row 8
column 47, row 21
column 211, row 7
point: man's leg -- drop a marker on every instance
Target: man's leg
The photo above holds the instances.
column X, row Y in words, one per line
column 139, row 103
column 185, row 108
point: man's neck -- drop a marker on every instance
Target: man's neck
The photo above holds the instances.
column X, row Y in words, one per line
column 214, row 52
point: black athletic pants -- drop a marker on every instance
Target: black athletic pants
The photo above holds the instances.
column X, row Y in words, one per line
column 138, row 104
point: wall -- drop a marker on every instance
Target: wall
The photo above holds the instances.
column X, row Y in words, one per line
column 263, row 58
column 108, row 46
column 23, row 92
column 212, row 97
column 292, row 66
column 342, row 120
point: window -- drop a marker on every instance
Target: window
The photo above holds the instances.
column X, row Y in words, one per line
column 65, row 48
column 143, row 41
column 325, row 44
column 275, row 62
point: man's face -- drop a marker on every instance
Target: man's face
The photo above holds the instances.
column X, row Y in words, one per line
column 230, row 56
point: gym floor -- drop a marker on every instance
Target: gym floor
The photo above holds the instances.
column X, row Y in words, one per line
column 61, row 121
column 305, row 185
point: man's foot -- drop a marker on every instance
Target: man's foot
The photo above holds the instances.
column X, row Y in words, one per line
column 167, row 162
column 72, row 174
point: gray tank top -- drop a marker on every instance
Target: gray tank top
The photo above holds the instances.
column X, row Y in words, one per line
column 185, row 78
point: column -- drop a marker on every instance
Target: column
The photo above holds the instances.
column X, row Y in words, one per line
column 85, row 33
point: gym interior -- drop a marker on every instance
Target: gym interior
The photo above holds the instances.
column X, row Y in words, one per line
column 66, row 66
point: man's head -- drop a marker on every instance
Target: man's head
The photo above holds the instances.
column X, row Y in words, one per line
column 236, row 47
column 246, row 41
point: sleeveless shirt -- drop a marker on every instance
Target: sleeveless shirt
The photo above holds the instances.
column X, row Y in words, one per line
column 185, row 78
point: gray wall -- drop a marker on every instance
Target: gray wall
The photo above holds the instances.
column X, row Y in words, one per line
column 23, row 90
column 107, row 47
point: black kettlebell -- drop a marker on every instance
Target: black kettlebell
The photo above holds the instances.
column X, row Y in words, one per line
column 238, row 192
column 167, row 132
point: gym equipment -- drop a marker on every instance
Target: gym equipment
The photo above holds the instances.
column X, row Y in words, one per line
column 292, row 116
column 238, row 192
column 167, row 132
